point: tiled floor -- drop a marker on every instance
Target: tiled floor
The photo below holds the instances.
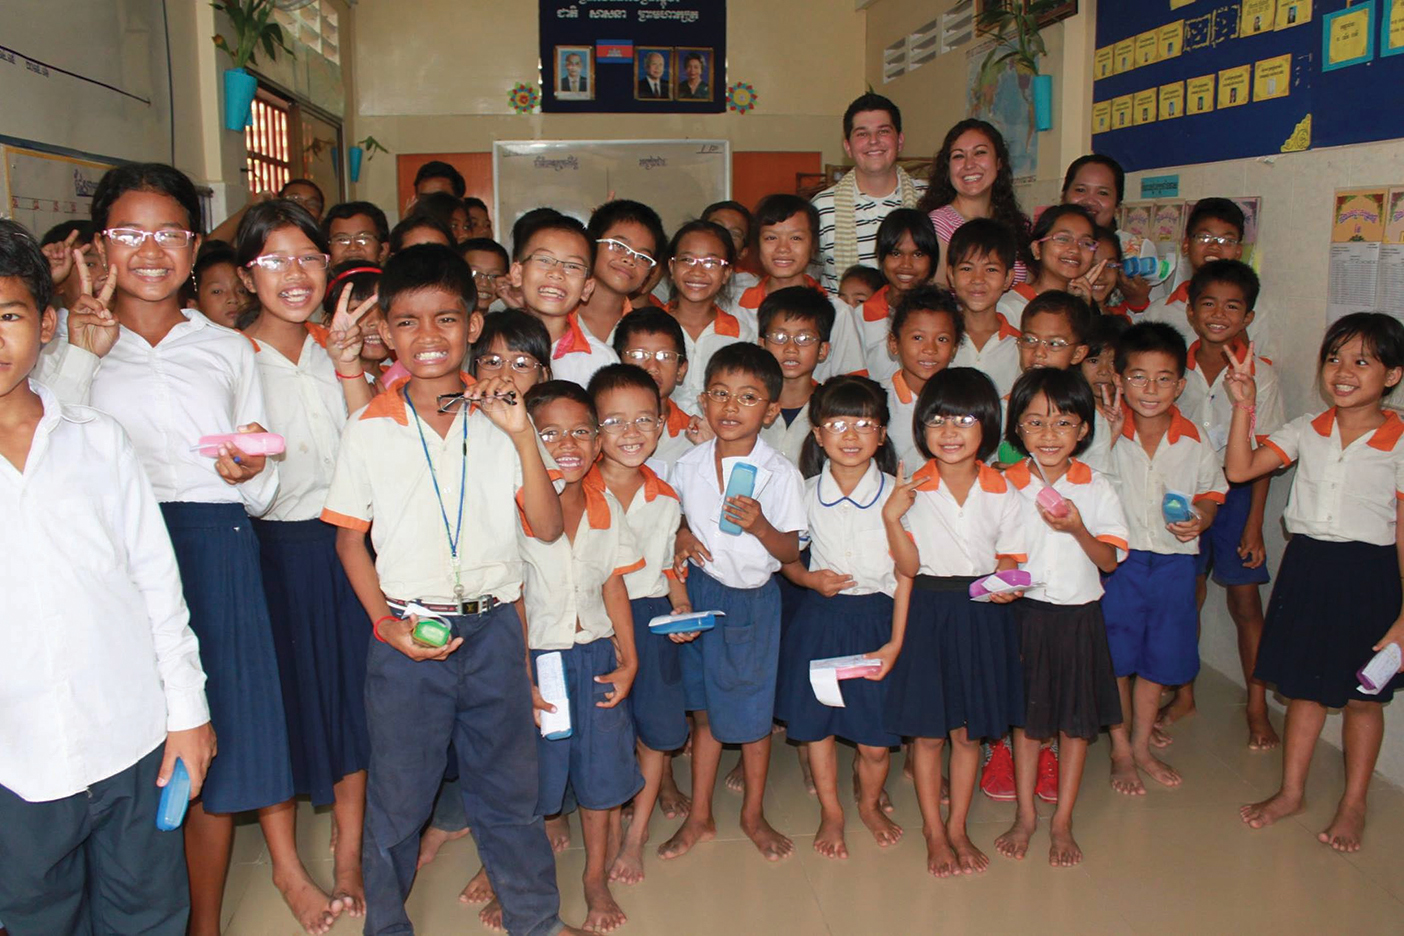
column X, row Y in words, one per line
column 1175, row 861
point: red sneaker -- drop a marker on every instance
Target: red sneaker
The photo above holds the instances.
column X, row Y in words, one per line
column 997, row 778
column 1047, row 786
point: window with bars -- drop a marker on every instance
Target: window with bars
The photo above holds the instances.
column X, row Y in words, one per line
column 268, row 139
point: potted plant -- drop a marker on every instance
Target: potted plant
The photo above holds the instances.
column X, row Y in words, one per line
column 254, row 26
column 1015, row 24
column 354, row 155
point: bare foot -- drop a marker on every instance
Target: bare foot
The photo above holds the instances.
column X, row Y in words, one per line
column 772, row 845
column 491, row 916
column 672, row 802
column 1015, row 843
column 736, row 780
column 627, row 867
column 828, row 841
column 1179, row 708
column 348, row 892
column 431, row 841
column 688, row 835
column 308, row 902
column 558, row 831
column 1158, row 770
column 1278, row 806
column 970, row 858
column 603, row 915
column 884, row 829
column 1261, row 736
column 1125, row 778
column 478, row 890
column 940, row 857
column 1160, row 738
column 1063, row 851
column 884, row 801
column 1346, row 830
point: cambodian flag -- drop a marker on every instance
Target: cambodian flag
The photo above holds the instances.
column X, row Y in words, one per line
column 614, row 50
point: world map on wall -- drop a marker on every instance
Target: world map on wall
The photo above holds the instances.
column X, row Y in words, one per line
column 1004, row 97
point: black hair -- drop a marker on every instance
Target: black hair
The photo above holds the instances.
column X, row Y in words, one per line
column 519, row 331
column 749, row 359
column 1149, row 338
column 59, row 233
column 1096, row 159
column 909, row 221
column 345, row 211
column 262, row 220
column 1055, row 213
column 473, row 201
column 1104, row 333
column 959, row 391
column 522, row 227
column 983, row 237
column 1382, row 334
column 1111, row 237
column 927, row 298
column 871, row 102
column 554, row 221
column 1067, row 392
column 735, row 206
column 1215, row 209
column 801, row 303
column 438, row 169
column 774, row 209
column 704, row 227
column 846, row 395
column 694, row 56
column 212, row 253
column 441, row 205
column 486, row 245
column 427, row 266
column 1004, row 204
column 623, row 377
column 308, row 182
column 870, row 277
column 552, row 390
column 622, row 209
column 417, row 219
column 1231, row 272
column 649, row 322
column 1056, row 302
column 340, row 278
column 21, row 258
column 146, row 177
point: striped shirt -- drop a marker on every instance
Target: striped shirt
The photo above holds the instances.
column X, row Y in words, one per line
column 868, row 214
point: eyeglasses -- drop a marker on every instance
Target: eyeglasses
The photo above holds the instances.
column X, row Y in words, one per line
column 1064, row 239
column 616, row 426
column 277, row 263
column 1032, row 343
column 618, row 247
column 135, row 237
column 579, row 434
column 521, row 363
column 1205, row 238
column 959, row 422
column 860, row 426
column 360, row 240
column 745, row 397
column 802, row 340
column 1141, row 381
column 490, row 279
column 547, row 263
column 707, row 263
column 642, row 356
column 1061, row 426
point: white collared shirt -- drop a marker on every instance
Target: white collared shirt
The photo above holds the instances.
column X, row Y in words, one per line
column 1184, row 462
column 1173, row 310
column 577, row 354
column 999, row 358
column 970, row 538
column 1211, row 407
column 97, row 661
column 788, row 440
column 1342, row 495
column 674, row 442
column 1011, row 304
column 723, row 330
column 874, row 320
column 901, row 409
column 1055, row 558
column 846, row 354
column 846, row 532
column 740, row 561
column 654, row 516
column 306, row 406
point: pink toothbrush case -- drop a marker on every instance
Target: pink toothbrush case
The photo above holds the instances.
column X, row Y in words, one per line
column 982, row 589
column 1053, row 502
column 250, row 443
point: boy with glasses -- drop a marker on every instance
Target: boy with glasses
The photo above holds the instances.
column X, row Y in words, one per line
column 628, row 236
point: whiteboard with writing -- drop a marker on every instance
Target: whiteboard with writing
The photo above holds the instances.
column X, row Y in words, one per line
column 677, row 178
column 41, row 190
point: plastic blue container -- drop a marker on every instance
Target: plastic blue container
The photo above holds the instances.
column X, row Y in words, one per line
column 175, row 798
column 239, row 90
column 1043, row 101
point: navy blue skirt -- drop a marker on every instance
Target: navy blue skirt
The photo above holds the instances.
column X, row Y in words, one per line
column 959, row 666
column 217, row 553
column 830, row 627
column 321, row 635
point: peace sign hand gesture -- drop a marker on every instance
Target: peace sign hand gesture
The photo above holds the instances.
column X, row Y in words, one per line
column 61, row 256
column 91, row 324
column 1242, row 388
column 344, row 337
column 903, row 496
column 1082, row 286
column 1110, row 407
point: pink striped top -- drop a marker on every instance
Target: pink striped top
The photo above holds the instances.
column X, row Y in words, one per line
column 947, row 220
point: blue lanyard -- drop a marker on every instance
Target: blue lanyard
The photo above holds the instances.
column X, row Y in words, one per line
column 454, row 536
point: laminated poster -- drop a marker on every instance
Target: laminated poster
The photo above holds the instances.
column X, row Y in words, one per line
column 1293, row 13
column 1199, row 95
column 1258, row 16
column 1172, row 100
column 1357, row 230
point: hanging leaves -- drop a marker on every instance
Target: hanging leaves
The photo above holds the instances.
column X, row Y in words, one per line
column 254, row 26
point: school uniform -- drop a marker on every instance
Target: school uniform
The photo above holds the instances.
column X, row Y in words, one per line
column 398, row 479
column 901, row 419
column 947, row 220
column 787, row 438
column 89, row 690
column 1097, row 455
column 1069, row 681
column 1011, row 304
column 1149, row 605
column 1338, row 588
column 999, row 358
column 730, row 671
column 847, row 536
column 674, row 442
column 874, row 319
column 1211, row 408
column 576, row 355
column 319, row 625
column 959, row 665
column 1173, row 310
column 724, row 329
column 845, row 342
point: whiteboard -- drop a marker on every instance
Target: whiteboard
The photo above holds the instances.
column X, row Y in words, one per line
column 41, row 189
column 677, row 178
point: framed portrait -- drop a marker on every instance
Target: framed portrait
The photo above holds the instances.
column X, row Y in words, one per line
column 575, row 73
column 693, row 74
column 653, row 73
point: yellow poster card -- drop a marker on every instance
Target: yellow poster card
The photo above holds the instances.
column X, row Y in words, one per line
column 1102, row 63
column 1101, row 117
column 1233, row 86
column 1199, row 95
column 1293, row 13
column 1359, row 216
column 1393, row 35
column 1272, row 78
column 1350, row 36
column 1144, row 107
column 1147, row 50
column 1121, row 112
column 1171, row 38
column 1176, row 4
column 1258, row 16
column 1124, row 56
column 1172, row 100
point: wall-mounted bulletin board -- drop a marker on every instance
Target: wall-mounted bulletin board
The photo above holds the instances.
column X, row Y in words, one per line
column 1178, row 82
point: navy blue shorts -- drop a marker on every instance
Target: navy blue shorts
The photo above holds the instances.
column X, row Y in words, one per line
column 1218, row 545
column 1152, row 620
column 597, row 760
column 657, row 700
column 729, row 671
